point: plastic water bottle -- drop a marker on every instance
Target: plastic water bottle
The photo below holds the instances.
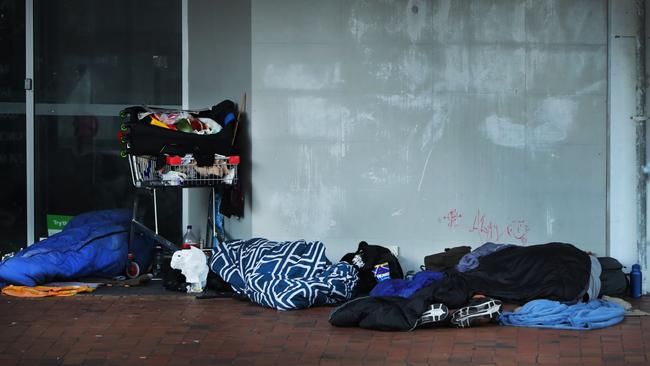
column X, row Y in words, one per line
column 635, row 281
column 190, row 239
column 157, row 262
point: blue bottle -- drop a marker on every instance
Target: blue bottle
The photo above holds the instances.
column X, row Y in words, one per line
column 635, row 281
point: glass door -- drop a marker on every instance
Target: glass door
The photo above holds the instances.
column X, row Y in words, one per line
column 91, row 59
column 13, row 196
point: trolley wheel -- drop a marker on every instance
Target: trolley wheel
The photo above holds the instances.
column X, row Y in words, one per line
column 132, row 269
column 123, row 137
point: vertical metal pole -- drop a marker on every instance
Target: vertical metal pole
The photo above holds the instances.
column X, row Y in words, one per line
column 134, row 217
column 185, row 193
column 185, row 55
column 641, row 133
column 29, row 121
column 155, row 211
column 608, row 146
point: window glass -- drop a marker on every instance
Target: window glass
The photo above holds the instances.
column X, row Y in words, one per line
column 108, row 52
column 13, row 194
column 92, row 58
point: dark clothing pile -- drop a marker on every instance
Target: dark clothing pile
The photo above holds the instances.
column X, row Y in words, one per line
column 516, row 274
column 365, row 259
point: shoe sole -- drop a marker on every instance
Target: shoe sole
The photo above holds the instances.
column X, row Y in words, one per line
column 464, row 317
column 435, row 314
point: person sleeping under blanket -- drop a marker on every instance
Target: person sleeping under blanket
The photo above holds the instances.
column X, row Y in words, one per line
column 517, row 274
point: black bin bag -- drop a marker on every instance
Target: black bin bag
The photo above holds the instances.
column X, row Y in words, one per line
column 447, row 260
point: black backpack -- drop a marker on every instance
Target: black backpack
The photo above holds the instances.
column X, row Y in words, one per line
column 372, row 255
column 613, row 281
column 447, row 260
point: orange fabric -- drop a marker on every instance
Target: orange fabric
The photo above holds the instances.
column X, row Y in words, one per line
column 44, row 291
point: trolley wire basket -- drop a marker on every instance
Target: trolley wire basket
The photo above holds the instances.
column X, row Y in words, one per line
column 151, row 172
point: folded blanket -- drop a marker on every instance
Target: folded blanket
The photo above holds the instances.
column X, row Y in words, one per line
column 552, row 314
column 44, row 291
column 471, row 260
column 283, row 276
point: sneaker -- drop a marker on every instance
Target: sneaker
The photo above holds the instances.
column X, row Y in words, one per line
column 478, row 309
column 437, row 313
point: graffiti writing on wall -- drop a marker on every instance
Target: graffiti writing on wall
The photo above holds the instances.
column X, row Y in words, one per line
column 488, row 229
column 451, row 218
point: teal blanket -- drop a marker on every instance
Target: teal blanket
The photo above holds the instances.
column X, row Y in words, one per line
column 594, row 314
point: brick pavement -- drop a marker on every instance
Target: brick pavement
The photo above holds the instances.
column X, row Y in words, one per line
column 177, row 329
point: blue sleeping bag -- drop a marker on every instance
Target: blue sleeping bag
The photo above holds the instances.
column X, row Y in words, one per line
column 406, row 288
column 93, row 244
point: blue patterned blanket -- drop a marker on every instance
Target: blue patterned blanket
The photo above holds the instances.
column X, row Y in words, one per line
column 283, row 275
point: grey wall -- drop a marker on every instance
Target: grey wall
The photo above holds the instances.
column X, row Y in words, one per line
column 428, row 124
column 219, row 67
column 622, row 152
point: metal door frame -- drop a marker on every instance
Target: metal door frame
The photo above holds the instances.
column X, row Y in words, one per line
column 29, row 119
column 30, row 113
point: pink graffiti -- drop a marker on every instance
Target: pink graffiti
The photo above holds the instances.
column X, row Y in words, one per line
column 518, row 229
column 487, row 229
column 452, row 218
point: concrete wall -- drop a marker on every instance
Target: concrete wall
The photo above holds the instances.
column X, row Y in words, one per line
column 219, row 67
column 429, row 124
column 642, row 255
column 622, row 152
column 622, row 167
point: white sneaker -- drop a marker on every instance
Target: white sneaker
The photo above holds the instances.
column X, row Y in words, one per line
column 477, row 309
column 437, row 313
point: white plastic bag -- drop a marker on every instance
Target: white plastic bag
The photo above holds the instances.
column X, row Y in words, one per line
column 193, row 264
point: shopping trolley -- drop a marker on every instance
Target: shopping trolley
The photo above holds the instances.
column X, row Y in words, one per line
column 164, row 159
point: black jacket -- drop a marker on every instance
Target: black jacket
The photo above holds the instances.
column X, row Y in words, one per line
column 372, row 255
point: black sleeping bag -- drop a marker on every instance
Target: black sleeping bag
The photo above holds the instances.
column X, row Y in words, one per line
column 151, row 140
column 379, row 313
column 518, row 274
